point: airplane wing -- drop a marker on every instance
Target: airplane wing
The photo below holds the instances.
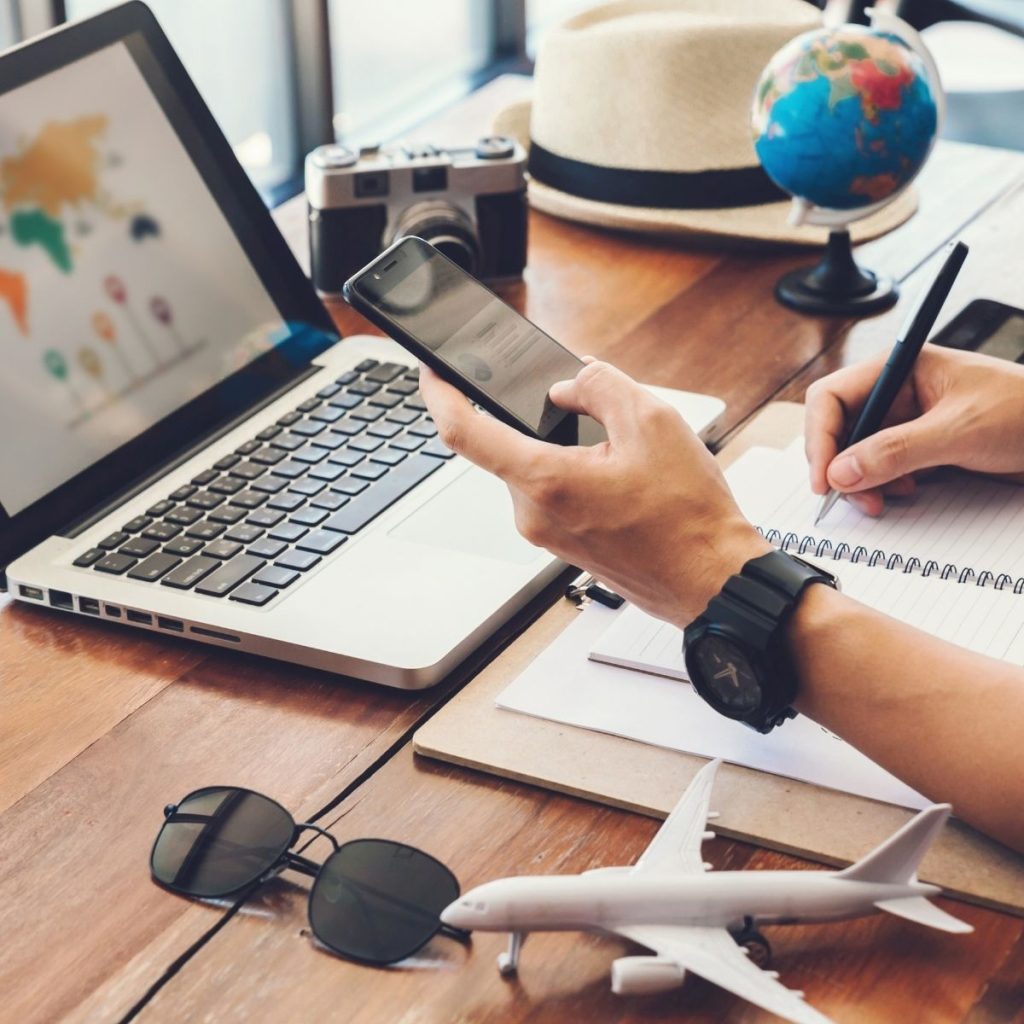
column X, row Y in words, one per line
column 676, row 847
column 713, row 954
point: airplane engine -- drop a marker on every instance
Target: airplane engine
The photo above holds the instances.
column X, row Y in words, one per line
column 645, row 975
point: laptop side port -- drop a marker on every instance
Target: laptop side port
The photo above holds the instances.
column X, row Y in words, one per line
column 112, row 610
column 174, row 625
column 89, row 605
column 61, row 599
column 215, row 634
column 32, row 593
column 144, row 618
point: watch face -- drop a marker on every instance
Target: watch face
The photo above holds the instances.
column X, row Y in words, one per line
column 726, row 675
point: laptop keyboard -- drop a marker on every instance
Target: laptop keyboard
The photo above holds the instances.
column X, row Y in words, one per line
column 255, row 522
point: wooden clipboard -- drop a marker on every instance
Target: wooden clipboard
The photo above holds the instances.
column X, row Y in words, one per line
column 782, row 814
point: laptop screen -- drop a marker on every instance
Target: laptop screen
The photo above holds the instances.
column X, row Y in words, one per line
column 124, row 291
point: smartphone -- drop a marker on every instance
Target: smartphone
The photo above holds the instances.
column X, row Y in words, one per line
column 472, row 339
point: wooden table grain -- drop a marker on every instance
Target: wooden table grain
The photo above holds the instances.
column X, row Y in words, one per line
column 101, row 726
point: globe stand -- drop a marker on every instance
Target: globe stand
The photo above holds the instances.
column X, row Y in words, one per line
column 836, row 285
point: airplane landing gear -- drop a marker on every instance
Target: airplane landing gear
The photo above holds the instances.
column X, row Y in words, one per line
column 758, row 947
column 508, row 962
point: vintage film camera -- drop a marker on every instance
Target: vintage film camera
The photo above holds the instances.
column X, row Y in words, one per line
column 470, row 203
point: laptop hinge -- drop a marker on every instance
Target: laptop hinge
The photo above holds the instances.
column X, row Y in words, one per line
column 78, row 526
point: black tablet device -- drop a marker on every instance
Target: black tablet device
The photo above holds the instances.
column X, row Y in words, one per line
column 147, row 299
column 986, row 326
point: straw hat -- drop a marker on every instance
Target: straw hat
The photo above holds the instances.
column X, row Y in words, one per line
column 645, row 100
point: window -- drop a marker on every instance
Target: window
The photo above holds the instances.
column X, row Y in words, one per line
column 8, row 24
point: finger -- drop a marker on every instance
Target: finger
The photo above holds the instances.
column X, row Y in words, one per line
column 601, row 391
column 492, row 445
column 888, row 455
column 902, row 487
column 871, row 503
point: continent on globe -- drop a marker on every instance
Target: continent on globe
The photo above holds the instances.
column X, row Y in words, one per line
column 844, row 117
column 59, row 167
column 14, row 291
column 33, row 227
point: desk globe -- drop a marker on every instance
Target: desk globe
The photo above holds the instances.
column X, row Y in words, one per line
column 843, row 120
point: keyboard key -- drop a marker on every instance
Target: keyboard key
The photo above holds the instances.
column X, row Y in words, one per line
column 269, row 456
column 154, row 567
column 267, row 548
column 248, row 500
column 413, row 373
column 364, row 388
column 160, row 508
column 182, row 516
column 408, row 444
column 328, row 392
column 424, row 429
column 371, row 471
column 227, row 485
column 244, row 533
column 328, row 415
column 350, row 486
column 345, row 401
column 365, row 444
column 227, row 461
column 310, row 455
column 248, row 470
column 229, row 575
column 301, row 560
column 404, row 387
column 308, row 517
column 348, row 427
column 308, row 488
column 162, row 531
column 289, row 442
column 287, row 502
column 205, row 500
column 228, row 514
column 307, row 428
column 248, row 448
column 347, row 457
column 270, row 484
column 205, row 531
column 136, row 524
column 366, row 365
column 308, row 405
column 223, row 549
column 402, row 479
column 183, row 546
column 348, row 376
column 254, row 593
column 115, row 563
column 265, row 518
column 275, row 576
column 437, row 449
column 369, row 414
column 289, row 532
column 205, row 477
column 322, row 542
column 291, row 469
column 268, row 432
column 330, row 501
column 182, row 493
column 386, row 373
column 416, row 402
column 329, row 441
column 289, row 418
column 84, row 560
column 389, row 457
column 386, row 401
column 383, row 429
column 190, row 573
column 139, row 547
column 328, row 472
column 114, row 540
column 402, row 416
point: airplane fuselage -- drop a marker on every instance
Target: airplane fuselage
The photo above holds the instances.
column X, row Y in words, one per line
column 724, row 899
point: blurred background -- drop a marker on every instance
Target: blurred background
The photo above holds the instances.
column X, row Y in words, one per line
column 283, row 76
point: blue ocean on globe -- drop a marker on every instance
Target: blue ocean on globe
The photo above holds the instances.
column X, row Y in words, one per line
column 844, row 118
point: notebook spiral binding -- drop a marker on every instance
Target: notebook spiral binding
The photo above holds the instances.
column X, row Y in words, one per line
column 842, row 552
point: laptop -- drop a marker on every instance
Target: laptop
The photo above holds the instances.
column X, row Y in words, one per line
column 187, row 445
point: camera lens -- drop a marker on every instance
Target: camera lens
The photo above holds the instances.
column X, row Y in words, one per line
column 445, row 227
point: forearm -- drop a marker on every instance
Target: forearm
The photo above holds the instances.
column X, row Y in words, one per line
column 947, row 721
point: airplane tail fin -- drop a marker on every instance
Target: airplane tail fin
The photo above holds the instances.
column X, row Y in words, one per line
column 896, row 860
column 919, row 910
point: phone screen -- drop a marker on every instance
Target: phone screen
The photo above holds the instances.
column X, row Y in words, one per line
column 472, row 332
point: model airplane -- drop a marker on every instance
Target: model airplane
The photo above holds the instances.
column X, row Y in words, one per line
column 698, row 922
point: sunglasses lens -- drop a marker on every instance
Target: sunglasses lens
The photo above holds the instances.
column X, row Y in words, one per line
column 379, row 901
column 219, row 840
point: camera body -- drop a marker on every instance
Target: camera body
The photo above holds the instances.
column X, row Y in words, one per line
column 468, row 202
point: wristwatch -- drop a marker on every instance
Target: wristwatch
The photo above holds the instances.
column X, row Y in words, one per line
column 737, row 654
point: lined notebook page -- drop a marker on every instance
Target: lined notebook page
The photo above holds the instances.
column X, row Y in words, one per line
column 981, row 619
column 955, row 518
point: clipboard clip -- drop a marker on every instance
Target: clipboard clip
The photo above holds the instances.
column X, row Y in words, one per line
column 587, row 588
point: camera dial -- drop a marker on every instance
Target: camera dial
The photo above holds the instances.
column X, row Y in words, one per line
column 335, row 156
column 446, row 228
column 495, row 147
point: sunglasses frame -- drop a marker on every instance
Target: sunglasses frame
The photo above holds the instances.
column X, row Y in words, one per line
column 287, row 858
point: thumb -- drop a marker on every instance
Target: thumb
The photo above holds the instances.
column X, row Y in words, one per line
column 601, row 391
column 887, row 456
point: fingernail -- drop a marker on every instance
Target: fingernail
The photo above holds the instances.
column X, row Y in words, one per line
column 845, row 471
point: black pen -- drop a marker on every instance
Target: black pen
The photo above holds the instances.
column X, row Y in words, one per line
column 901, row 360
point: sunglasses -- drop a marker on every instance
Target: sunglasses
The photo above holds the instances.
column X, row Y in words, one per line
column 373, row 900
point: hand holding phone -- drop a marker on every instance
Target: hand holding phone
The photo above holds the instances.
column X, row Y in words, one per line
column 471, row 338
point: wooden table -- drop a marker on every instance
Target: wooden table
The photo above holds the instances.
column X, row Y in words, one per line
column 101, row 726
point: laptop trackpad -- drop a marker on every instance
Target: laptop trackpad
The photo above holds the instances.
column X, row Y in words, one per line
column 473, row 514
